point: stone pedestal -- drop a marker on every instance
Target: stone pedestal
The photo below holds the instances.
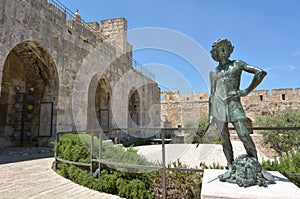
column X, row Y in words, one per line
column 217, row 189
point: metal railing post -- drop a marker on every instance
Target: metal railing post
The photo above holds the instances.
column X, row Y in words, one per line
column 100, row 151
column 55, row 152
column 164, row 163
column 92, row 151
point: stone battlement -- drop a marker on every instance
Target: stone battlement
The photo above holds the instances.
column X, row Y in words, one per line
column 178, row 109
column 256, row 96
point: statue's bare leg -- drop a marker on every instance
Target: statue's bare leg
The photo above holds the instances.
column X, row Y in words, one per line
column 243, row 133
column 227, row 149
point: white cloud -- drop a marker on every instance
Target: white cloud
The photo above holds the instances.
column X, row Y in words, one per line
column 297, row 53
column 291, row 67
column 284, row 67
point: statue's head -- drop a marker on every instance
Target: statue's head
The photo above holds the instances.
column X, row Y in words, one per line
column 221, row 43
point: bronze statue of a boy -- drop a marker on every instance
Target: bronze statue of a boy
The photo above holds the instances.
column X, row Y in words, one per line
column 225, row 105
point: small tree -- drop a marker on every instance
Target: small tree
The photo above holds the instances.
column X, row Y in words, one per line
column 282, row 141
column 211, row 136
column 191, row 134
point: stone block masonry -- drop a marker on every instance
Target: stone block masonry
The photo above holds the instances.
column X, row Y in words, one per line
column 178, row 110
column 66, row 62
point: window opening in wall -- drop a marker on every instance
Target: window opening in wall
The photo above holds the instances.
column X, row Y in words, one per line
column 283, row 96
column 261, row 98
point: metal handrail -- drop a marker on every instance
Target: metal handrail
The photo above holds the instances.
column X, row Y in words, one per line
column 173, row 129
column 161, row 167
column 74, row 163
column 129, row 166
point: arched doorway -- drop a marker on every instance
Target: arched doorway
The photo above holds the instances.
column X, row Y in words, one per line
column 103, row 101
column 249, row 125
column 134, row 110
column 29, row 93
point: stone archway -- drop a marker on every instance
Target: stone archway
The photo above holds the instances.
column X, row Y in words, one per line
column 103, row 102
column 134, row 109
column 100, row 92
column 29, row 93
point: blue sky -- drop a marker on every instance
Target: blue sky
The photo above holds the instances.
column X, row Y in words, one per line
column 265, row 33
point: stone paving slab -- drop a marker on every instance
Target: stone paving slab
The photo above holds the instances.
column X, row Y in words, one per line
column 192, row 156
column 283, row 189
column 36, row 179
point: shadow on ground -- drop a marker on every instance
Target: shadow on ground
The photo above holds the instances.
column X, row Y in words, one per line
column 17, row 154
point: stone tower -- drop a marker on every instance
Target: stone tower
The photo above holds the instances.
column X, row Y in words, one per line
column 115, row 30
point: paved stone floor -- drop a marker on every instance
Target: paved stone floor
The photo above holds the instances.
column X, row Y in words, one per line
column 192, row 156
column 23, row 176
column 27, row 173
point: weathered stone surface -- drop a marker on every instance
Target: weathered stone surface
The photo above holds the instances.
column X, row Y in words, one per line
column 213, row 188
column 35, row 179
column 258, row 104
column 61, row 58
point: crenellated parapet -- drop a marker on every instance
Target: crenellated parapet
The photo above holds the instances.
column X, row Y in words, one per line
column 256, row 96
column 275, row 95
column 170, row 96
column 178, row 109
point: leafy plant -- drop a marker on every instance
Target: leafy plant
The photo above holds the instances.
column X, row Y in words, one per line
column 179, row 184
column 115, row 181
column 77, row 148
column 71, row 147
column 5, row 86
column 212, row 136
column 213, row 166
column 282, row 141
column 190, row 134
column 287, row 164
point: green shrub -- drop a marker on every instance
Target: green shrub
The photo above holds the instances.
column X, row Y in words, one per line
column 71, row 147
column 214, row 166
column 286, row 164
column 140, row 142
column 191, row 134
column 133, row 188
column 75, row 147
column 110, row 179
column 179, row 184
column 212, row 136
column 282, row 141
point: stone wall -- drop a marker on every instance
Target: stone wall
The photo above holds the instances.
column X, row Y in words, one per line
column 177, row 110
column 71, row 58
